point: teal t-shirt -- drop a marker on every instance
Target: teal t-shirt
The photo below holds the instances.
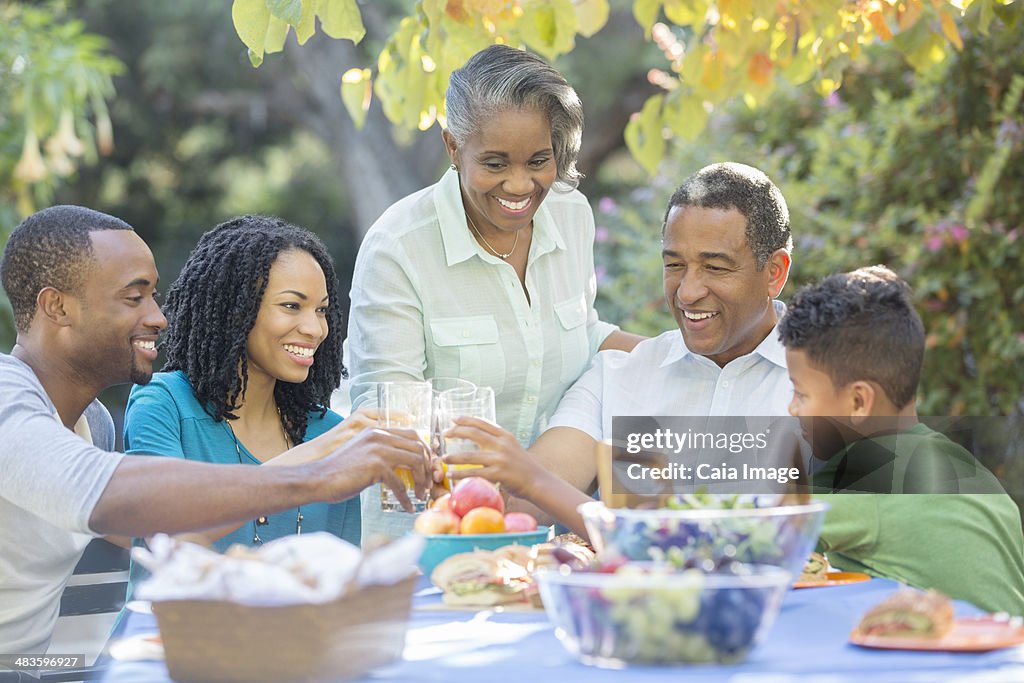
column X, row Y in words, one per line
column 968, row 545
column 165, row 418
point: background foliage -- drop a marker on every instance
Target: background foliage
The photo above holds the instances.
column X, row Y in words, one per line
column 917, row 171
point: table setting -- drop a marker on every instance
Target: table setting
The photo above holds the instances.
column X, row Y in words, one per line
column 712, row 588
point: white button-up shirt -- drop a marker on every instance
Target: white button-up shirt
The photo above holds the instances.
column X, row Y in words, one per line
column 429, row 301
column 663, row 377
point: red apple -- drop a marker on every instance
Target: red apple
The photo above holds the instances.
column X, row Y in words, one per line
column 437, row 522
column 475, row 492
column 520, row 521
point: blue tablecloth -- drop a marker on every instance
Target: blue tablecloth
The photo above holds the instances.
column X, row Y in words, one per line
column 809, row 642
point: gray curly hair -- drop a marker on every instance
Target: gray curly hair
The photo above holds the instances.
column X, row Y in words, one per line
column 501, row 77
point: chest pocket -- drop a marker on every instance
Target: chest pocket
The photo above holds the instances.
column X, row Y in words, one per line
column 573, row 338
column 467, row 347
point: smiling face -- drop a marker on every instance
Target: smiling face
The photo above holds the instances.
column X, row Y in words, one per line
column 119, row 317
column 720, row 300
column 505, row 170
column 292, row 319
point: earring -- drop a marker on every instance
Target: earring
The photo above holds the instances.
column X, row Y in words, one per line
column 455, row 168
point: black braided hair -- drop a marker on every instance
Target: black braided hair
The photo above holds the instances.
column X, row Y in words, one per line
column 212, row 308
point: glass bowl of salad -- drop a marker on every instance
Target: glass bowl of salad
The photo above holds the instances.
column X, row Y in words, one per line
column 706, row 532
column 646, row 613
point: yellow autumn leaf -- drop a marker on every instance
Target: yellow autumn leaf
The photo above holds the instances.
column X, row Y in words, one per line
column 907, row 14
column 713, row 74
column 876, row 18
column 759, row 69
column 950, row 30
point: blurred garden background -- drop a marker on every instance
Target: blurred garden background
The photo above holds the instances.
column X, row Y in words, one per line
column 895, row 129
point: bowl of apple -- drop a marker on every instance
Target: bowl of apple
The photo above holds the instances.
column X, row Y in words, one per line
column 472, row 517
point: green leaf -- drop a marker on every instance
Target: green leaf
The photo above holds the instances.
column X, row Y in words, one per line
column 686, row 12
column 251, row 18
column 277, row 32
column 549, row 27
column 1009, row 14
column 591, row 16
column 341, row 19
column 646, row 13
column 356, row 89
column 801, row 68
column 288, row 11
column 306, row 27
column 643, row 135
column 693, row 63
column 686, row 116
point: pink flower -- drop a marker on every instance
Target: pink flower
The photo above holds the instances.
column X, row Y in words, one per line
column 606, row 205
column 833, row 101
column 959, row 233
column 601, row 234
column 601, row 273
column 934, row 244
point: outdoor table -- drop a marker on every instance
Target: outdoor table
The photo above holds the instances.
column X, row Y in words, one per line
column 808, row 642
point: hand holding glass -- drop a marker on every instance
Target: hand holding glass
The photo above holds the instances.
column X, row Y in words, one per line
column 460, row 403
column 406, row 405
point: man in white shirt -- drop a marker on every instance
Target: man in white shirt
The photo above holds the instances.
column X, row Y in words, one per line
column 83, row 288
column 726, row 256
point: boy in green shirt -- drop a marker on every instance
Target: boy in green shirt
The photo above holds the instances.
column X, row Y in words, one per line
column 925, row 513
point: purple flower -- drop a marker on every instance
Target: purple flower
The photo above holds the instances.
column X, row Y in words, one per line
column 833, row 101
column 606, row 205
column 601, row 234
column 601, row 273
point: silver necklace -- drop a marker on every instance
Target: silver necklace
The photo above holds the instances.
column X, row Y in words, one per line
column 487, row 244
column 262, row 520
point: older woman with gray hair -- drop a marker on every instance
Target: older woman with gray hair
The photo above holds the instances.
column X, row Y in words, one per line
column 488, row 274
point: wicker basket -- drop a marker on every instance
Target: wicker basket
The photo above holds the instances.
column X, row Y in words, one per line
column 224, row 641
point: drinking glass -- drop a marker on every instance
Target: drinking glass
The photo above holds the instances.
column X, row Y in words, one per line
column 405, row 405
column 460, row 403
column 440, row 386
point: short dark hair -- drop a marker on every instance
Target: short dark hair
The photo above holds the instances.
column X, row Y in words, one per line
column 737, row 186
column 501, row 77
column 212, row 307
column 50, row 248
column 859, row 326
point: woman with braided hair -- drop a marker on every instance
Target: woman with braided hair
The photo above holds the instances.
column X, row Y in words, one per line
column 253, row 353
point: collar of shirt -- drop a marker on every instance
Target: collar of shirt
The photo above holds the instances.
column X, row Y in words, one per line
column 459, row 244
column 770, row 348
column 81, row 427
